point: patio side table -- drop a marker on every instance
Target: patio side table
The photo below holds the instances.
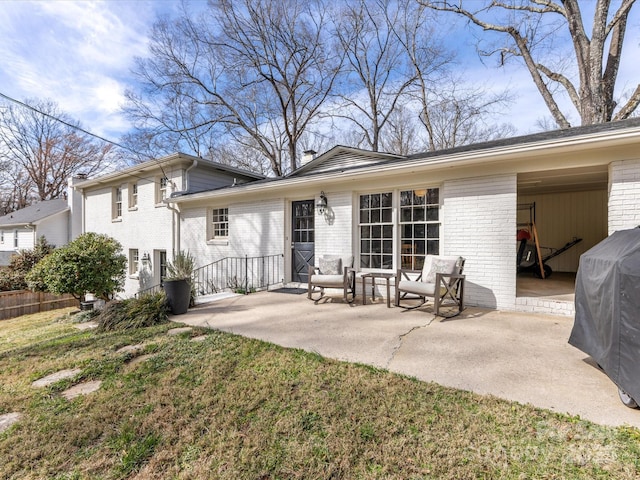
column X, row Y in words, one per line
column 373, row 275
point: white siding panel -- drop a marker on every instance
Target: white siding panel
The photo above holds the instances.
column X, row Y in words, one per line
column 479, row 222
column 55, row 229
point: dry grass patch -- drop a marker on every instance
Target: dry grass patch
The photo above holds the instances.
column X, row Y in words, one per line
column 229, row 407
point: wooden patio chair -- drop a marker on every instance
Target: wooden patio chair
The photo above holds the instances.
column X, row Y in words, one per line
column 441, row 278
column 332, row 272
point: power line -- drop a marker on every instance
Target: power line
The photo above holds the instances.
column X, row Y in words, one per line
column 76, row 127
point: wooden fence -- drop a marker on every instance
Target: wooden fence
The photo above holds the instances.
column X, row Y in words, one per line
column 22, row 302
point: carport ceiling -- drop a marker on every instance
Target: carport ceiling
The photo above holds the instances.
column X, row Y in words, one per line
column 563, row 180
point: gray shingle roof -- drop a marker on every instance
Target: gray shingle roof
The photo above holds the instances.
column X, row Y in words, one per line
column 34, row 213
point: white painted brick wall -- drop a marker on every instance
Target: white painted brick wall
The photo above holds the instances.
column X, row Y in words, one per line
column 334, row 229
column 147, row 228
column 255, row 229
column 624, row 195
column 479, row 223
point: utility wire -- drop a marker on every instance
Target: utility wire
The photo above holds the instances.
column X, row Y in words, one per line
column 76, row 127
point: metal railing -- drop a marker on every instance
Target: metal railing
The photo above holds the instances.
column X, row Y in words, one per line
column 238, row 274
column 149, row 291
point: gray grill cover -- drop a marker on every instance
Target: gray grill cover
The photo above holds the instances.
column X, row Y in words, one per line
column 607, row 321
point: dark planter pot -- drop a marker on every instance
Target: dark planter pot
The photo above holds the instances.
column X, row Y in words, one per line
column 178, row 295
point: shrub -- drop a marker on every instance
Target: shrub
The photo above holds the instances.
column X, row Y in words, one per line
column 13, row 276
column 91, row 263
column 132, row 313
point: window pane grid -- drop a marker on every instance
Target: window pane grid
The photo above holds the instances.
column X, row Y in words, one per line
column 220, row 222
column 419, row 226
column 376, row 230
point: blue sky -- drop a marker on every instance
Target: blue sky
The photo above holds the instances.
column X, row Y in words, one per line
column 80, row 54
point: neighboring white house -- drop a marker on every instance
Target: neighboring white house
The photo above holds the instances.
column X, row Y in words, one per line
column 390, row 210
column 20, row 230
column 131, row 206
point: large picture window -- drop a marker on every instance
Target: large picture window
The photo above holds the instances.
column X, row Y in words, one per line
column 376, row 230
column 419, row 226
column 387, row 240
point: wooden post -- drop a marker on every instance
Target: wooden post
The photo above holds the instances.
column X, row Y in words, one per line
column 537, row 242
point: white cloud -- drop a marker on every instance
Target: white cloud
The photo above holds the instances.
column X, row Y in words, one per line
column 77, row 53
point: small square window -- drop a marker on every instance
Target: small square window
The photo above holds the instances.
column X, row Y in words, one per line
column 219, row 223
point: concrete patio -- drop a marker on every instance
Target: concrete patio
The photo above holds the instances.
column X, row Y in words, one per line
column 515, row 356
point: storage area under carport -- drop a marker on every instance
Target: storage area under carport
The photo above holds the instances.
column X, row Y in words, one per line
column 568, row 204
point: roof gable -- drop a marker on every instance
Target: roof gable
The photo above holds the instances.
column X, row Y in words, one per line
column 342, row 158
column 34, row 213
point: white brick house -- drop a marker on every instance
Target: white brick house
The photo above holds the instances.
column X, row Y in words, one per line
column 131, row 206
column 389, row 210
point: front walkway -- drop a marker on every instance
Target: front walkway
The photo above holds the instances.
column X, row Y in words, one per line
column 515, row 356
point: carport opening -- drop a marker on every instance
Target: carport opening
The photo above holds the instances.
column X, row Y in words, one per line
column 569, row 204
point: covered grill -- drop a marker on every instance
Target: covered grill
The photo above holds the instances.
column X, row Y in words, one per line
column 607, row 301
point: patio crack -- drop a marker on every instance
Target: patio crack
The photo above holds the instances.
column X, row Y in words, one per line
column 401, row 338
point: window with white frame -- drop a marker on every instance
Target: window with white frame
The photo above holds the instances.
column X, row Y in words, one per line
column 419, row 226
column 162, row 189
column 218, row 223
column 376, row 230
column 15, row 239
column 408, row 236
column 134, row 261
column 1, row 236
column 133, row 195
column 117, row 203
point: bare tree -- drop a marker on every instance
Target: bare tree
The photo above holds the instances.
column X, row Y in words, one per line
column 256, row 72
column 45, row 147
column 532, row 27
column 376, row 72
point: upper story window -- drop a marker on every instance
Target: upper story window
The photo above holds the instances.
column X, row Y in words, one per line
column 117, row 203
column 1, row 236
column 15, row 239
column 219, row 223
column 162, row 189
column 133, row 195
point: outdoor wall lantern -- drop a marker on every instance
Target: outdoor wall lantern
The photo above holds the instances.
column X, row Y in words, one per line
column 321, row 206
column 146, row 259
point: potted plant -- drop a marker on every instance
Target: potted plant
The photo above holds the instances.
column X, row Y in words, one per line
column 178, row 282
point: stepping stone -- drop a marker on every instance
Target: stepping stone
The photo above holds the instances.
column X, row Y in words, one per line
column 8, row 419
column 54, row 377
column 131, row 348
column 81, row 389
column 178, row 331
column 86, row 325
column 140, row 359
column 199, row 338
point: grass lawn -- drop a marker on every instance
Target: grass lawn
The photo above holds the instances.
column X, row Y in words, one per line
column 230, row 407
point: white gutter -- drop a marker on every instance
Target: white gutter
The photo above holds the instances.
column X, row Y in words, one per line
column 433, row 161
column 175, row 218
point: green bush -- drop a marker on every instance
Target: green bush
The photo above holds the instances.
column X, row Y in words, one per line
column 91, row 263
column 13, row 276
column 132, row 313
